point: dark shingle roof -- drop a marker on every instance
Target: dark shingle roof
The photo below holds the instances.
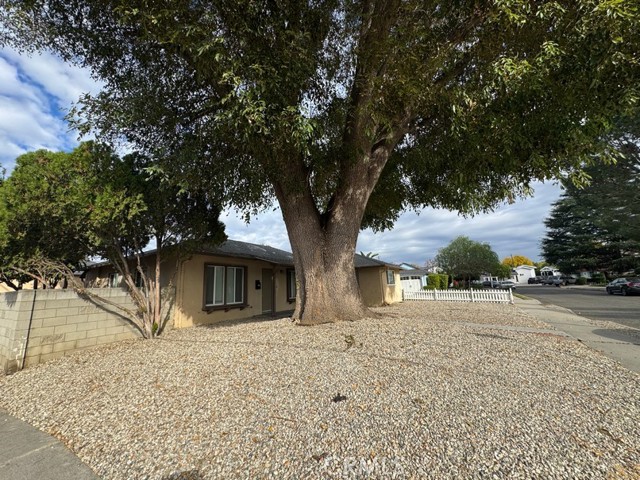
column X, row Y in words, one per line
column 235, row 248
column 362, row 262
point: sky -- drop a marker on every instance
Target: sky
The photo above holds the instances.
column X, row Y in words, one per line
column 37, row 91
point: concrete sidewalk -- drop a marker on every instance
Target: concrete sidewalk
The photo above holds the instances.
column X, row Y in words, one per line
column 621, row 344
column 29, row 454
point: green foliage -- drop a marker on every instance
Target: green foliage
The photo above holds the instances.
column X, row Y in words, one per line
column 501, row 270
column 461, row 104
column 581, row 281
column 438, row 281
column 466, row 258
column 59, row 209
column 598, row 227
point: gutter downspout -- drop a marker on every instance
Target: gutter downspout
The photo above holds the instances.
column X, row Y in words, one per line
column 26, row 343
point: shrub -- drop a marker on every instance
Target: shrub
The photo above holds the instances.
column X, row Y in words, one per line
column 437, row 281
column 581, row 281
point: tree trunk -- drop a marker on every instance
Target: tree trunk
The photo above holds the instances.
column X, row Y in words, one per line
column 328, row 290
column 324, row 243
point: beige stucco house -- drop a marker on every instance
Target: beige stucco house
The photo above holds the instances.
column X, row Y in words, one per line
column 238, row 280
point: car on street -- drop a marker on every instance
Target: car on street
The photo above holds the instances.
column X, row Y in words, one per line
column 506, row 285
column 551, row 280
column 624, row 286
column 534, row 280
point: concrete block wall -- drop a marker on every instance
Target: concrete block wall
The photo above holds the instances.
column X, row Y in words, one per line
column 52, row 323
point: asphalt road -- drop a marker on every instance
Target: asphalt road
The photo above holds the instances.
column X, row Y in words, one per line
column 591, row 302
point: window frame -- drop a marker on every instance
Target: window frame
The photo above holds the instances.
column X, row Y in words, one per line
column 113, row 280
column 391, row 277
column 292, row 292
column 225, row 305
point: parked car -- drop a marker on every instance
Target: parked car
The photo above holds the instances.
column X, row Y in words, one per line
column 490, row 284
column 507, row 284
column 534, row 280
column 568, row 279
column 551, row 280
column 624, row 286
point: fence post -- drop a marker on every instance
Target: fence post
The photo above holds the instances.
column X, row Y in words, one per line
column 471, row 294
column 511, row 296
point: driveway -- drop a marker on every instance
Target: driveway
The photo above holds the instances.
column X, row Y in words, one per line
column 589, row 302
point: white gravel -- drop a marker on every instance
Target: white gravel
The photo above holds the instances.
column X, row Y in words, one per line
column 431, row 390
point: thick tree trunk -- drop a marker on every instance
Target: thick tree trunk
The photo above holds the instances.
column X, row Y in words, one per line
column 327, row 287
column 324, row 243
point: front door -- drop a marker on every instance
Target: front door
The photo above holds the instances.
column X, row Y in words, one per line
column 267, row 290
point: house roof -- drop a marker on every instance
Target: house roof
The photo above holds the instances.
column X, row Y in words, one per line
column 238, row 249
column 415, row 271
column 235, row 248
column 526, row 267
column 363, row 262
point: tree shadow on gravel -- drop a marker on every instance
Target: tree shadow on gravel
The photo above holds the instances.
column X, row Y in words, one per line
column 267, row 317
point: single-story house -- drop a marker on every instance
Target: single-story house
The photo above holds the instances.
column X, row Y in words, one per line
column 238, row 280
column 523, row 273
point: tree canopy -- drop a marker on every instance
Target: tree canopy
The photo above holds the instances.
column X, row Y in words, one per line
column 348, row 112
column 467, row 258
column 59, row 209
column 597, row 227
column 516, row 260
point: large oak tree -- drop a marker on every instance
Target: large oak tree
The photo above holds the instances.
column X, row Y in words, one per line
column 348, row 112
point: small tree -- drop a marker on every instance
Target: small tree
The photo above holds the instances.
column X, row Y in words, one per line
column 466, row 258
column 58, row 209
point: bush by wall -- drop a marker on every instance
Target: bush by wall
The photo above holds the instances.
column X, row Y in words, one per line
column 581, row 281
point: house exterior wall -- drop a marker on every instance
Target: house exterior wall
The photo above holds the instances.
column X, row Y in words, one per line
column 374, row 289
column 524, row 272
column 52, row 323
column 189, row 308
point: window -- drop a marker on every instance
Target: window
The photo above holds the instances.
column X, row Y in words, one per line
column 224, row 286
column 292, row 289
column 391, row 279
column 138, row 279
column 114, row 280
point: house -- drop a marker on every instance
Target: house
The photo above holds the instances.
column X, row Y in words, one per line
column 414, row 280
column 549, row 270
column 523, row 273
column 238, row 280
column 379, row 281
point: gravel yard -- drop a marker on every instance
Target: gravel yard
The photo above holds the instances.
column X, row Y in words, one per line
column 428, row 390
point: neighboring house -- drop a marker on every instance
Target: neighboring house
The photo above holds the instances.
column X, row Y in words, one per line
column 407, row 266
column 523, row 273
column 414, row 280
column 238, row 280
column 548, row 271
column 379, row 281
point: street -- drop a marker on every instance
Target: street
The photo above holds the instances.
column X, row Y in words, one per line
column 592, row 303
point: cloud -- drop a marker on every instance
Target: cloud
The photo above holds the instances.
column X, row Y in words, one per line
column 36, row 92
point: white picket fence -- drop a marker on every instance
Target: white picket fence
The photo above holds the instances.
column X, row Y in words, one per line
column 487, row 296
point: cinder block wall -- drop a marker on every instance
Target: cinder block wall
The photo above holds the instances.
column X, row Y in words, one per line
column 52, row 323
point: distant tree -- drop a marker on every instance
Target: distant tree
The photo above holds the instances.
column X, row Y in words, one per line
column 467, row 258
column 502, row 271
column 58, row 209
column 514, row 261
column 369, row 254
column 598, row 227
column 348, row 112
